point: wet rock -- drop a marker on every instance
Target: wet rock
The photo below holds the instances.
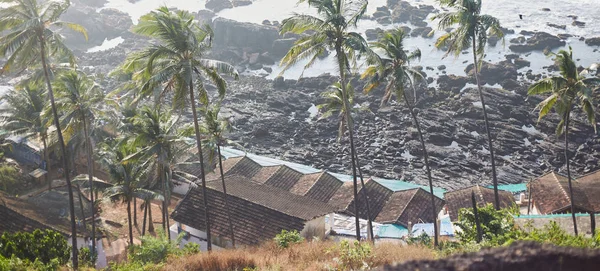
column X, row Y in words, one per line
column 562, row 26
column 279, row 82
column 520, row 63
column 244, row 35
column 282, row 46
column 545, row 9
column 241, row 3
column 452, row 82
column 218, row 5
column 539, row 41
column 494, row 73
column 372, row 34
column 578, row 23
column 564, row 36
column 441, row 67
column 593, row 41
column 106, row 24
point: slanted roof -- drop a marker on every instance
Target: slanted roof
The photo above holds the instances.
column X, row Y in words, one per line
column 259, row 212
column 20, row 215
column 264, row 173
column 461, row 198
column 377, row 194
column 410, row 206
column 324, row 188
column 550, row 193
column 284, row 178
column 244, row 167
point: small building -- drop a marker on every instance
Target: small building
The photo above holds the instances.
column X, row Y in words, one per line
column 549, row 193
column 461, row 198
column 21, row 215
column 258, row 213
column 25, row 151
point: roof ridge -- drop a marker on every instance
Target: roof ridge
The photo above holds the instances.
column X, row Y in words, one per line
column 411, row 198
column 561, row 187
column 313, row 184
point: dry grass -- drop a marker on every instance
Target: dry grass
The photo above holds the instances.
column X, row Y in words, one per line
column 316, row 255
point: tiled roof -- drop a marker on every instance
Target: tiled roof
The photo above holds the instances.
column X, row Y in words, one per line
column 306, row 183
column 419, row 208
column 459, row 199
column 377, row 195
column 284, row 178
column 397, row 204
column 259, row 212
column 550, row 193
column 19, row 215
column 264, row 174
column 245, row 167
column 324, row 188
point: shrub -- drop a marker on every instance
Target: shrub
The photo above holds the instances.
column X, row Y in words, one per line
column 357, row 256
column 44, row 246
column 10, row 178
column 497, row 226
column 191, row 248
column 154, row 249
column 86, row 258
column 286, row 238
column 421, row 240
column 16, row 264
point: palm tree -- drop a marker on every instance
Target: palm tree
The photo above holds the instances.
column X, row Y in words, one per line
column 158, row 140
column 29, row 36
column 78, row 98
column 393, row 66
column 24, row 117
column 215, row 128
column 128, row 176
column 330, row 30
column 472, row 30
column 567, row 90
column 334, row 104
column 177, row 63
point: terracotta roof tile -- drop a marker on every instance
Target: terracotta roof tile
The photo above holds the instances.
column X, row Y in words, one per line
column 461, row 198
column 284, row 178
column 324, row 188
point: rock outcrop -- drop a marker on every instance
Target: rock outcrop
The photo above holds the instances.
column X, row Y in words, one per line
column 539, row 41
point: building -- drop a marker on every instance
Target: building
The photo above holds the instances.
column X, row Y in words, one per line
column 20, row 215
column 318, row 191
column 461, row 198
column 549, row 193
column 258, row 213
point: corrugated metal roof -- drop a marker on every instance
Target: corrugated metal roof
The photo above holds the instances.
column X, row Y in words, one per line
column 513, row 188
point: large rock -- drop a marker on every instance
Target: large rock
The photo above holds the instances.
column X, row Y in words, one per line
column 106, row 24
column 218, row 5
column 452, row 82
column 403, row 12
column 230, row 33
column 494, row 73
column 593, row 41
column 281, row 46
column 538, row 42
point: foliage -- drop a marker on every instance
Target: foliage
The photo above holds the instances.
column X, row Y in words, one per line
column 420, row 240
column 191, row 248
column 87, row 258
column 154, row 249
column 44, row 246
column 497, row 226
column 287, row 238
column 355, row 256
column 134, row 266
column 10, row 178
column 15, row 264
column 552, row 233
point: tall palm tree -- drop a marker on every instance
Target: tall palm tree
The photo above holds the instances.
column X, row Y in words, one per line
column 472, row 30
column 28, row 36
column 334, row 104
column 78, row 99
column 393, row 67
column 158, row 140
column 128, row 176
column 330, row 31
column 567, row 90
column 177, row 63
column 215, row 128
column 24, row 117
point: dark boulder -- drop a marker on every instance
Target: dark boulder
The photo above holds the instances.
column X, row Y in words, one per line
column 539, row 41
column 244, row 35
column 452, row 82
column 593, row 41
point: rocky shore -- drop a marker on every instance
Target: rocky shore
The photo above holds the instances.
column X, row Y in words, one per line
column 272, row 117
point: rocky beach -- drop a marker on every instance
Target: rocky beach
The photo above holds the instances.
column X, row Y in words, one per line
column 275, row 116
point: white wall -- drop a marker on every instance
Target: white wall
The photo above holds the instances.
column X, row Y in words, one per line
column 196, row 236
column 81, row 242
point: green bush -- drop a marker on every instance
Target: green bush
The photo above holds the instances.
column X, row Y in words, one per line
column 16, row 264
column 191, row 248
column 497, row 226
column 44, row 246
column 286, row 238
column 154, row 249
column 355, row 256
column 135, row 266
column 10, row 179
column 421, row 240
column 86, row 258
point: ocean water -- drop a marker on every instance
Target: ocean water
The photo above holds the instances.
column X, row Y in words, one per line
column 507, row 11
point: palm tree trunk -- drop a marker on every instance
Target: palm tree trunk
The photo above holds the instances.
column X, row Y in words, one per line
column 47, row 160
column 166, row 208
column 63, row 149
column 225, row 197
column 90, row 162
column 164, row 191
column 129, row 222
column 202, row 175
column 567, row 120
column 81, row 206
column 150, row 222
column 342, row 67
column 135, row 211
column 426, row 158
column 145, row 216
column 487, row 127
column 366, row 198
